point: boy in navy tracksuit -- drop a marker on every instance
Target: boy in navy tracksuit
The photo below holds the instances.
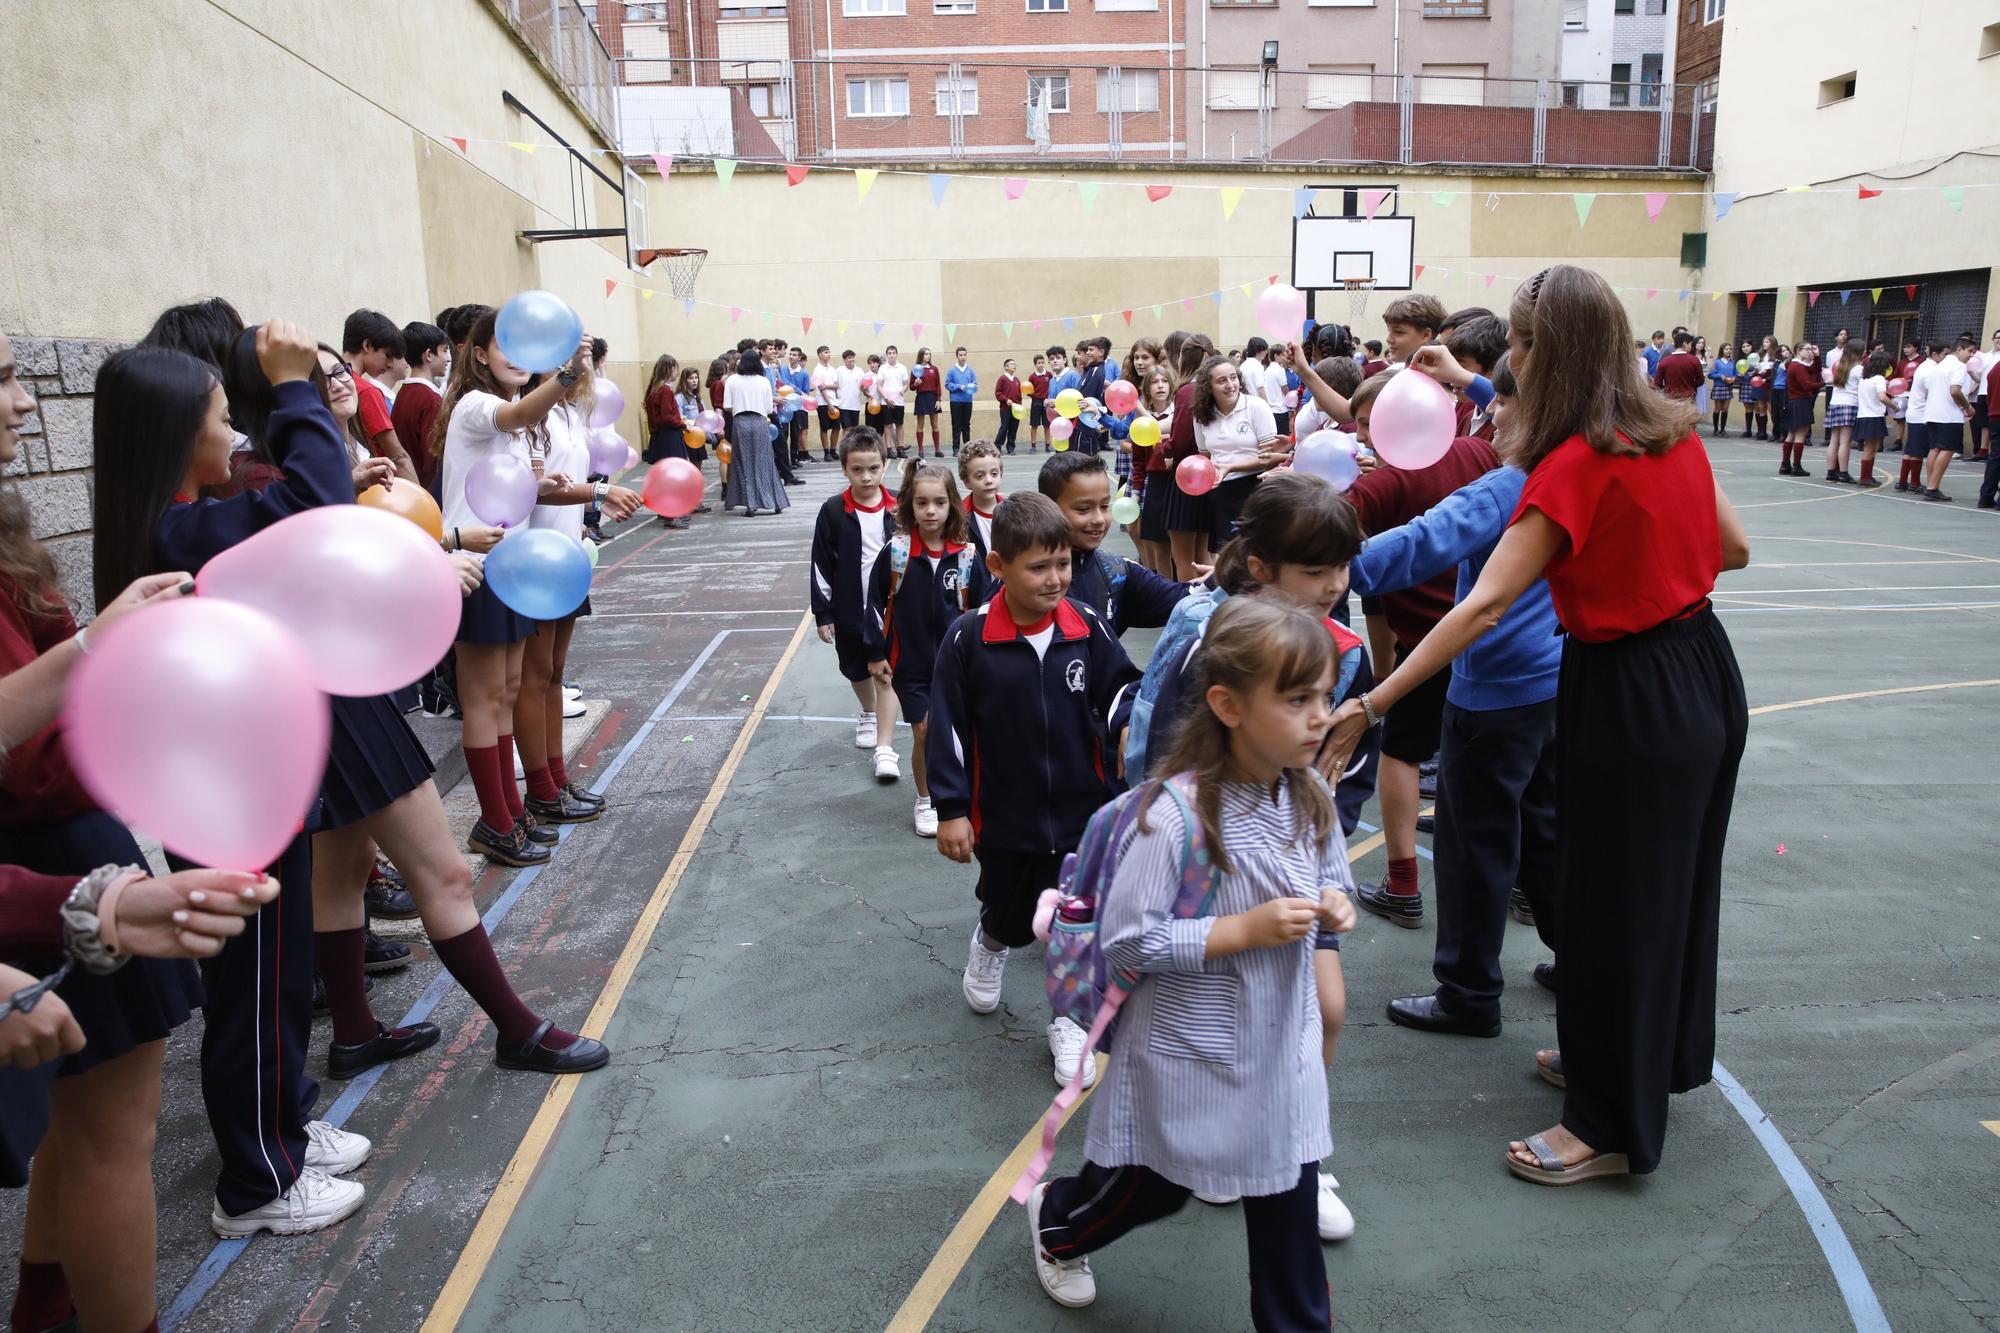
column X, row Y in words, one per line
column 1090, row 440
column 1496, row 811
column 1124, row 592
column 853, row 527
column 1029, row 700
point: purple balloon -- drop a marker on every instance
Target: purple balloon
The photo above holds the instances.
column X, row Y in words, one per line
column 1329, row 454
column 710, row 421
column 607, row 452
column 500, row 490
column 610, row 403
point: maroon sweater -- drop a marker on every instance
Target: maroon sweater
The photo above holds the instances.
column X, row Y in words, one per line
column 1679, row 375
column 1389, row 497
column 36, row 780
column 1802, row 380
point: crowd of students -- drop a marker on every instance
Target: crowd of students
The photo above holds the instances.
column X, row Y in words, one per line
column 205, row 434
column 1538, row 618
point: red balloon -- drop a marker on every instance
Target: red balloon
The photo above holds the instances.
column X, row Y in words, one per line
column 673, row 488
column 1196, row 474
column 1121, row 396
column 1898, row 387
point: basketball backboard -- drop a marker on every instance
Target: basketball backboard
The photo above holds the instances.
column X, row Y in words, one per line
column 1344, row 243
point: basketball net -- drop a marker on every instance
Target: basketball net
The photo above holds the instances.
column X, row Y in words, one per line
column 683, row 267
column 1357, row 297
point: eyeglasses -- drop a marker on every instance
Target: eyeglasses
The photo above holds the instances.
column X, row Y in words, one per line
column 341, row 371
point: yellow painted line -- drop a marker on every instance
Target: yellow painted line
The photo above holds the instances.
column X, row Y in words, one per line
column 450, row 1305
column 950, row 1260
column 1871, row 694
column 1993, row 1125
column 1811, row 500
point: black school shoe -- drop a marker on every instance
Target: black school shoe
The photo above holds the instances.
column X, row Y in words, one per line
column 538, row 833
column 384, row 955
column 511, row 848
column 1427, row 779
column 387, row 897
column 386, row 1045
column 1519, row 908
column 1937, row 496
column 563, row 810
column 1402, row 909
column 579, row 1057
column 1426, row 824
column 1545, row 976
column 1426, row 1013
column 588, row 797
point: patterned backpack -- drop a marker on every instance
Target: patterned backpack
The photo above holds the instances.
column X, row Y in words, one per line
column 1081, row 986
column 899, row 560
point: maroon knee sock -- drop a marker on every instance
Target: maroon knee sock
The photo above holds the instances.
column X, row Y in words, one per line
column 1867, row 469
column 541, row 786
column 509, row 787
column 41, row 1298
column 484, row 763
column 1403, row 876
column 340, row 954
column 556, row 771
column 470, row 960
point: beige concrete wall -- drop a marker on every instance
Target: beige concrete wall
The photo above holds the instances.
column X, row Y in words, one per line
column 817, row 250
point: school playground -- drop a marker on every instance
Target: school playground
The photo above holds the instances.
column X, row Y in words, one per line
column 805, row 1128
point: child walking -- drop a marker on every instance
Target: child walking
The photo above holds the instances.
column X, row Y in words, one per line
column 1236, row 1106
column 979, row 467
column 852, row 528
column 924, row 579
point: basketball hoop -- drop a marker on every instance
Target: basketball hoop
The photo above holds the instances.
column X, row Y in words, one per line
column 1357, row 297
column 683, row 267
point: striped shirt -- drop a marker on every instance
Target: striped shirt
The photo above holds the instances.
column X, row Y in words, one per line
column 1216, row 1080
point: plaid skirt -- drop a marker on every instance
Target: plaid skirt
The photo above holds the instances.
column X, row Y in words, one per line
column 1839, row 416
column 1720, row 393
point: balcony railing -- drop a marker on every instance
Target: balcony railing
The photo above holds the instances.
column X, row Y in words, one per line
column 859, row 110
column 562, row 35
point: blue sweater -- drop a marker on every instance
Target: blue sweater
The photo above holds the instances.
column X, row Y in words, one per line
column 961, row 382
column 1518, row 661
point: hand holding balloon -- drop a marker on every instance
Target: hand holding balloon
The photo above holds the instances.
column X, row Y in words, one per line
column 142, row 592
column 620, row 503
column 1434, row 360
column 479, row 538
column 184, row 915
column 372, row 473
column 537, row 331
column 471, row 571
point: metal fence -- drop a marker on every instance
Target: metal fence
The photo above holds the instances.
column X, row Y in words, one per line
column 858, row 109
column 562, row 34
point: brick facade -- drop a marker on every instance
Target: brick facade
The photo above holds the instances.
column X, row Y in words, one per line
column 1697, row 46
column 53, row 469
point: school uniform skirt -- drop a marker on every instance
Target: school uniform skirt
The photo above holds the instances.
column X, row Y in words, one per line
column 927, row 404
column 1153, row 503
column 753, row 467
column 1649, row 733
column 1188, row 513
column 1755, row 394
column 484, row 618
column 1719, row 393
column 1870, row 428
column 666, row 442
column 1230, row 496
column 1799, row 414
column 372, row 760
column 1837, row 417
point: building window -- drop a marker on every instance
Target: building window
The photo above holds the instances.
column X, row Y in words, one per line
column 1272, row 3
column 651, row 13
column 1048, row 6
column 1621, row 85
column 1454, row 9
column 1125, row 6
column 764, row 9
column 1341, row 4
column 1235, row 89
column 1649, row 79
column 1623, row 6
column 767, row 100
column 954, row 6
column 1331, row 86
column 1989, row 40
column 1138, row 90
column 1451, row 85
column 1576, row 16
column 1712, row 10
column 1572, row 95
column 1049, row 89
column 968, row 95
column 870, row 8
column 1839, row 88
column 878, row 97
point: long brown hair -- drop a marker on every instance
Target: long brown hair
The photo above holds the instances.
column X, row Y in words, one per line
column 1204, row 407
column 664, row 371
column 1249, row 640
column 357, row 446
column 1193, row 352
column 1151, row 345
column 469, row 374
column 906, row 500
column 27, row 568
column 1850, row 356
column 1578, row 375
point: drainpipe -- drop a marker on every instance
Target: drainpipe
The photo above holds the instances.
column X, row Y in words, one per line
column 1173, row 125
column 694, row 78
column 1396, row 45
column 834, row 93
column 1204, row 77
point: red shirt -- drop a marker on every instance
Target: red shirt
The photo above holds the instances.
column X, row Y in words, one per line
column 374, row 409
column 1038, row 385
column 414, row 414
column 1375, row 367
column 715, row 394
column 1993, row 381
column 663, row 409
column 1179, row 443
column 1679, row 375
column 36, row 780
column 1643, row 545
column 1389, row 497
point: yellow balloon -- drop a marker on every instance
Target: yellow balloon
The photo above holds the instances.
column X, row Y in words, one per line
column 1145, row 432
column 1059, row 444
column 1020, row 411
column 1070, row 403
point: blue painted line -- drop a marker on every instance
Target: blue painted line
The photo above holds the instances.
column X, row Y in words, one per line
column 1862, row 1305
column 1363, row 826
column 227, row 1252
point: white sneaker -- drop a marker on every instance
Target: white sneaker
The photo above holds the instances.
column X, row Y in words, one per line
column 571, row 693
column 334, row 1151
column 574, row 708
column 315, row 1201
column 864, row 731
column 888, row 768
column 1335, row 1222
column 926, row 819
column 1218, row 1200
column 1067, row 1281
column 1066, row 1042
column 983, row 970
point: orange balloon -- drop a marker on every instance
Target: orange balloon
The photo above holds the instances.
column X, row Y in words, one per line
column 406, row 499
column 873, row 408
column 723, row 452
column 696, row 437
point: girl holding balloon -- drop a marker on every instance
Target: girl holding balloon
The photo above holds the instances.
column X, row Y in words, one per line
column 1156, row 408
column 694, row 436
column 665, row 427
column 1190, row 515
column 1239, row 434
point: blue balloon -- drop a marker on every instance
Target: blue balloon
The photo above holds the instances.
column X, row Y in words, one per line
column 1090, row 421
column 540, row 573
column 537, row 331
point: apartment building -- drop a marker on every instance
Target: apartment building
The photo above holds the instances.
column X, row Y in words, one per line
column 1617, row 53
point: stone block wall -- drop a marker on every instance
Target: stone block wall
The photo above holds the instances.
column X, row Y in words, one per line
column 54, row 466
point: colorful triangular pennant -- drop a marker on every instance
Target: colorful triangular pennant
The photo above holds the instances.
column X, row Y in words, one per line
column 1442, row 198
column 1953, row 195
column 1875, row 295
column 1863, row 192
column 1724, row 201
column 1086, row 191
column 864, row 181
column 1812, row 299
column 457, row 143
column 725, row 169
column 664, row 164
column 1655, row 201
column 794, row 173
column 1371, row 200
column 940, row 182
column 1583, row 201
column 610, row 286
column 1845, row 293
column 805, row 324
column 1155, row 193
column 1232, row 195
column 1302, row 201
column 1016, row 186
column 1128, row 317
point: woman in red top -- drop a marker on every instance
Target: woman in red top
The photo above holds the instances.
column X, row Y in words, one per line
column 1189, row 519
column 665, row 431
column 1625, row 519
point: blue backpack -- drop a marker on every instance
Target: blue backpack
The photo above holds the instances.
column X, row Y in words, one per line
column 1081, row 986
column 1184, row 626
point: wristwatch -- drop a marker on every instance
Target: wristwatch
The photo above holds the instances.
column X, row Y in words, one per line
column 83, row 937
column 1368, row 709
column 567, row 377
column 599, row 491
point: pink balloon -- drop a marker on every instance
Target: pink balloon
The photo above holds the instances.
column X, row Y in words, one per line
column 673, row 488
column 198, row 722
column 1121, row 396
column 374, row 600
column 1196, row 474
column 500, row 489
column 710, row 421
column 610, row 404
column 1413, row 421
column 1330, row 454
column 1061, row 428
column 631, row 458
column 607, row 451
column 1281, row 312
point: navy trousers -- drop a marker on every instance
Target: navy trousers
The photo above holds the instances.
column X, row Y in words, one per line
column 1496, row 830
column 253, row 1047
column 1288, row 1292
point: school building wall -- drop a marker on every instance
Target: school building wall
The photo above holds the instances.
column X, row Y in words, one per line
column 180, row 149
column 819, row 250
